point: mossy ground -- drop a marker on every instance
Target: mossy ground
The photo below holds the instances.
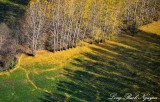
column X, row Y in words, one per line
column 129, row 64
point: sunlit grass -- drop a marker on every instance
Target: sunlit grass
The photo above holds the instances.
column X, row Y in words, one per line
column 129, row 64
column 16, row 87
column 152, row 28
column 47, row 60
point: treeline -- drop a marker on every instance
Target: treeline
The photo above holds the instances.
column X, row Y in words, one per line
column 61, row 24
column 57, row 25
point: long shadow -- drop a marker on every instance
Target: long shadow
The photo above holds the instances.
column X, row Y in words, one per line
column 149, row 37
column 22, row 2
column 141, row 39
column 97, row 75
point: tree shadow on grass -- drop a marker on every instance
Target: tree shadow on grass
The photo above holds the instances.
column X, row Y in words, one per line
column 149, row 37
column 98, row 75
column 22, row 2
column 141, row 39
column 10, row 13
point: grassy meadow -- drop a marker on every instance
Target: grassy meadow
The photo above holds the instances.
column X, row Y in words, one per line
column 128, row 64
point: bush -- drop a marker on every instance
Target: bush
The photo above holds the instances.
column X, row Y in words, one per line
column 7, row 54
column 9, row 62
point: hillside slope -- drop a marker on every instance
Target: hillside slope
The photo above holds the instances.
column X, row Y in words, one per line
column 129, row 64
column 11, row 10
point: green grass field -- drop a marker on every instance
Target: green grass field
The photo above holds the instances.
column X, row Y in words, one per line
column 128, row 64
